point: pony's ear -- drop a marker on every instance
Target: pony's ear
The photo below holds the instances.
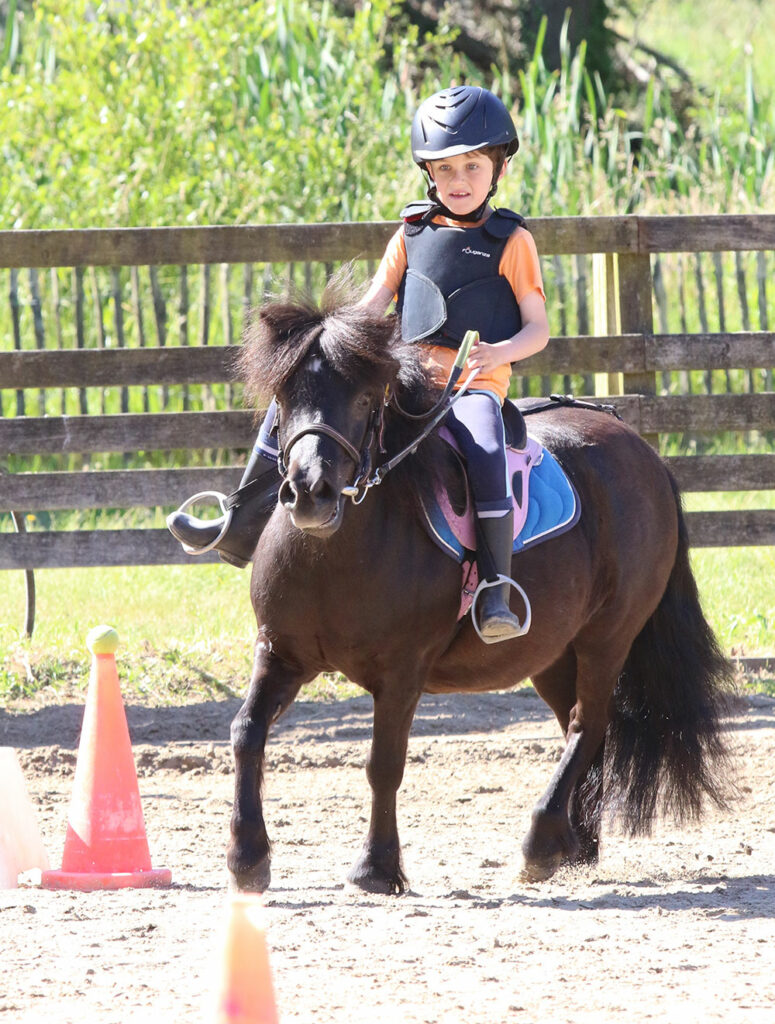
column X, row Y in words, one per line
column 391, row 326
column 277, row 322
column 392, row 323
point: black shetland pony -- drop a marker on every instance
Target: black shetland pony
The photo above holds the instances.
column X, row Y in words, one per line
column 619, row 648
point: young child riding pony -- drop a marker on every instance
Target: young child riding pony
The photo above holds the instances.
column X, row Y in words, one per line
column 455, row 264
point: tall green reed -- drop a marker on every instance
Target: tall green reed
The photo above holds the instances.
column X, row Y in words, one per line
column 583, row 151
column 189, row 112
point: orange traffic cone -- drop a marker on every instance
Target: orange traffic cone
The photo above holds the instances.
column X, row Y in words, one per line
column 105, row 845
column 21, row 847
column 245, row 993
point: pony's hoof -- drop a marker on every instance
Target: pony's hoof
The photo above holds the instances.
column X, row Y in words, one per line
column 256, row 880
column 379, row 885
column 549, row 843
column 373, row 878
column 539, row 870
column 250, row 878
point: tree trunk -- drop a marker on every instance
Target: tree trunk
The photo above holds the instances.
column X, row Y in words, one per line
column 504, row 32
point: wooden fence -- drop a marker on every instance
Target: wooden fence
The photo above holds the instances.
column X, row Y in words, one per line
column 107, row 361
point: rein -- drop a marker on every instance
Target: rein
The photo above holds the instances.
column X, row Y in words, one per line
column 469, row 339
column 381, row 471
column 436, row 413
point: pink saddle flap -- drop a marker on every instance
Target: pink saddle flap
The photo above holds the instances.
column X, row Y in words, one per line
column 520, row 462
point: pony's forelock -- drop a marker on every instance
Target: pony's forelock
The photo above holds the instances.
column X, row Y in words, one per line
column 356, row 342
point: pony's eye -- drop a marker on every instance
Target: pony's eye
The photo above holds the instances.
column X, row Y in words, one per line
column 363, row 402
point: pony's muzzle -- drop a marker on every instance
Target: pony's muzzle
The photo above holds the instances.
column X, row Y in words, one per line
column 312, row 504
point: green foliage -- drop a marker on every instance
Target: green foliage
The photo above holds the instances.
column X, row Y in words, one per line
column 159, row 112
column 583, row 153
column 709, row 40
column 162, row 112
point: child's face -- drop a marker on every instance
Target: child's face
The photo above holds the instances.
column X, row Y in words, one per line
column 463, row 181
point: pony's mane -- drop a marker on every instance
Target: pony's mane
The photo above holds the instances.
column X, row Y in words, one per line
column 352, row 339
column 365, row 348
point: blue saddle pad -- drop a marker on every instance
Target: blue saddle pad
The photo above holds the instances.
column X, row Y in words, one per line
column 553, row 507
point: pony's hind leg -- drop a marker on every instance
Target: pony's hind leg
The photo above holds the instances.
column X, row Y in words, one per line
column 586, row 811
column 565, row 824
column 379, row 868
column 273, row 687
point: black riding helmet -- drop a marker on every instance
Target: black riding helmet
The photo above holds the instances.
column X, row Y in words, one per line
column 460, row 120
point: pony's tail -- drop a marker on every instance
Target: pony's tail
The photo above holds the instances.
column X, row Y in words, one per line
column 664, row 747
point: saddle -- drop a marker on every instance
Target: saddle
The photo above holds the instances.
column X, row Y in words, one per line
column 545, row 501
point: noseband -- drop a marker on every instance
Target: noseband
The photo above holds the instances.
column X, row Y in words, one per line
column 362, row 458
column 320, row 428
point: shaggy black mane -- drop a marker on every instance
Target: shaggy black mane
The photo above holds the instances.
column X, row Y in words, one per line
column 365, row 349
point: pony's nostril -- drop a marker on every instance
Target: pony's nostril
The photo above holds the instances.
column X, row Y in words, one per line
column 287, row 494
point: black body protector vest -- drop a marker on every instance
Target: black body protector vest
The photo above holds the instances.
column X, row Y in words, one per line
column 451, row 284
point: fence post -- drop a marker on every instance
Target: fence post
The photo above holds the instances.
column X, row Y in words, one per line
column 13, row 296
column 637, row 317
column 605, row 301
column 29, row 581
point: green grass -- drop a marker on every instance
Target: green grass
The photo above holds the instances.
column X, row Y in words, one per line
column 183, row 630
column 736, row 590
column 736, row 583
column 187, row 631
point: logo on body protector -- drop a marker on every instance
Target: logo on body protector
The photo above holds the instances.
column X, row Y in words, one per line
column 476, row 252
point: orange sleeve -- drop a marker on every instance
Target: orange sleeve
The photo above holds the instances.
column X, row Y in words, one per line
column 520, row 265
column 391, row 270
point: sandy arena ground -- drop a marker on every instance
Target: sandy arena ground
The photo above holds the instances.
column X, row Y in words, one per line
column 678, row 927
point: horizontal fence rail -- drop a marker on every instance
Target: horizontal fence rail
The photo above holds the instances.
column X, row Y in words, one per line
column 118, row 388
column 142, row 488
column 286, row 243
column 150, row 546
column 128, row 488
column 134, row 432
column 633, row 353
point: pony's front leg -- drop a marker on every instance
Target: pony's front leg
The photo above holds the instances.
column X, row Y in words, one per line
column 273, row 687
column 379, row 868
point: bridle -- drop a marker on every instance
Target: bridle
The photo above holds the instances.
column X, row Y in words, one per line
column 361, row 456
column 366, row 475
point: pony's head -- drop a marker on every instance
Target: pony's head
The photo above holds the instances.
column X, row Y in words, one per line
column 330, row 369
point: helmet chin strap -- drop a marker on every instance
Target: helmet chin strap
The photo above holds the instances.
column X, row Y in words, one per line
column 466, row 218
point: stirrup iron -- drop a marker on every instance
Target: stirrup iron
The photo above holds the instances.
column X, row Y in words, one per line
column 485, row 585
column 226, row 512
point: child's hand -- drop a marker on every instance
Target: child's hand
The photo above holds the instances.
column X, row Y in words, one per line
column 486, row 357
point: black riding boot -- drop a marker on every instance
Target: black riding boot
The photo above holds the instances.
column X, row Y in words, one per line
column 496, row 621
column 234, row 534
